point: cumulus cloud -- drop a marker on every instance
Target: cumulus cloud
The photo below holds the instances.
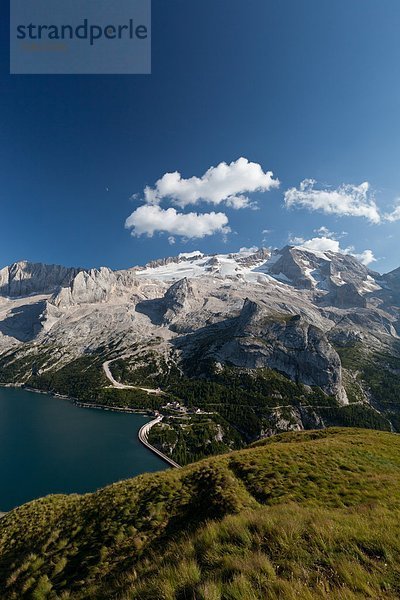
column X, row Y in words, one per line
column 321, row 244
column 249, row 251
column 295, row 240
column 238, row 202
column 346, row 200
column 225, row 183
column 394, row 215
column 324, row 231
column 366, row 258
column 151, row 218
column 329, row 244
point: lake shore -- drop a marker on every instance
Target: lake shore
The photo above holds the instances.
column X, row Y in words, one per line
column 79, row 403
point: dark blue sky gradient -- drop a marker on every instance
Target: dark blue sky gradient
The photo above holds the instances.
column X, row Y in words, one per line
column 307, row 88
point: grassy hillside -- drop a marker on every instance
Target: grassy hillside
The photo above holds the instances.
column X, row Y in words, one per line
column 302, row 515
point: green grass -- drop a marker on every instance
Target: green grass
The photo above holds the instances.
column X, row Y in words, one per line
column 302, row 515
column 284, row 552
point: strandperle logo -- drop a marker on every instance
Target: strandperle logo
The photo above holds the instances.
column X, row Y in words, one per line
column 80, row 37
column 85, row 31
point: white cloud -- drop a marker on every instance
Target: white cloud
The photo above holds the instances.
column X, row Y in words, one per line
column 295, row 240
column 394, row 215
column 329, row 244
column 225, row 183
column 150, row 218
column 238, row 202
column 321, row 244
column 346, row 200
column 324, row 231
column 366, row 258
column 248, row 251
column 171, row 240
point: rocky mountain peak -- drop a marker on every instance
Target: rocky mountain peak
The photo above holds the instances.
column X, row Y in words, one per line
column 162, row 262
column 295, row 266
column 24, row 278
column 87, row 287
column 177, row 299
column 325, row 272
column 251, row 259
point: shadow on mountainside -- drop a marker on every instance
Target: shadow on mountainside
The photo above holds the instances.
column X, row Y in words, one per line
column 23, row 322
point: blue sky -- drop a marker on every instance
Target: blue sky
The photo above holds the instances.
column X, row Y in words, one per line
column 307, row 89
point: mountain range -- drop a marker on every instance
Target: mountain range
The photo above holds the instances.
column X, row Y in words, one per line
column 321, row 321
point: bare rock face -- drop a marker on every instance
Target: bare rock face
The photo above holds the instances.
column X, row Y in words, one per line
column 289, row 345
column 252, row 259
column 177, row 299
column 392, row 287
column 346, row 296
column 88, row 287
column 24, row 278
column 292, row 419
column 290, row 264
column 24, row 323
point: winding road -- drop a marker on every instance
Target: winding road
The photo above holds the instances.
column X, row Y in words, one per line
column 122, row 386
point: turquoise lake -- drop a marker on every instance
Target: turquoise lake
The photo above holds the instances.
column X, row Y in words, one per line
column 50, row 446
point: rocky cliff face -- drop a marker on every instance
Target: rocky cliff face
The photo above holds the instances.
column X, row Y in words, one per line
column 177, row 300
column 346, row 296
column 24, row 278
column 288, row 344
column 391, row 283
column 295, row 267
column 87, row 287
